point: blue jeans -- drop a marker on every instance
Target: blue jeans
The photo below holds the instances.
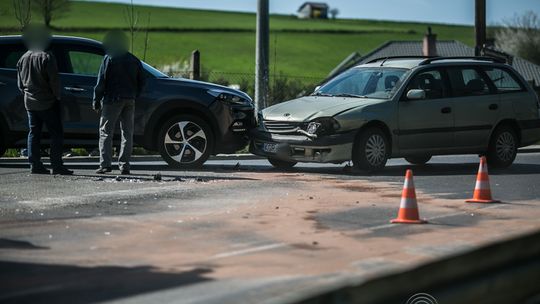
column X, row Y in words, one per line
column 51, row 118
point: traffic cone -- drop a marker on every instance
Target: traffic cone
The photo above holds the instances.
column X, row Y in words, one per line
column 408, row 209
column 482, row 190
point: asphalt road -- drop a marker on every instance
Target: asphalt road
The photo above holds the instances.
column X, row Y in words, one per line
column 239, row 231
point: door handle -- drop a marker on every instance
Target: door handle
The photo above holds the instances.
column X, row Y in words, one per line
column 493, row 106
column 74, row 89
column 2, row 83
column 446, row 110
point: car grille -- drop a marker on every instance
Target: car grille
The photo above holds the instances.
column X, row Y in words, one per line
column 281, row 126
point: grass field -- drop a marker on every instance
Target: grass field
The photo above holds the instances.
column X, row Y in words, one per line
column 311, row 53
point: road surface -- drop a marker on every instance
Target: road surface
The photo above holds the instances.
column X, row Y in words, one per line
column 240, row 231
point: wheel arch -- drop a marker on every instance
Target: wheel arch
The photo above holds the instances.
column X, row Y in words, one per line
column 381, row 125
column 512, row 123
column 170, row 109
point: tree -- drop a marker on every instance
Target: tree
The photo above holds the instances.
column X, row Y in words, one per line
column 521, row 36
column 21, row 10
column 132, row 19
column 50, row 9
column 334, row 12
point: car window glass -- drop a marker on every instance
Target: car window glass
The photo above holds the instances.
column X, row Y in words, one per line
column 429, row 81
column 467, row 82
column 503, row 81
column 9, row 57
column 84, row 63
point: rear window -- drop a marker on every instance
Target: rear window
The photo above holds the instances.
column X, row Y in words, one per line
column 503, row 80
column 10, row 55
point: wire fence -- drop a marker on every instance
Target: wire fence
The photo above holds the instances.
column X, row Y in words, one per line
column 282, row 87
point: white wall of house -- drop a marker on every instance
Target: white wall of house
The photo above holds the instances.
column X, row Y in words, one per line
column 305, row 13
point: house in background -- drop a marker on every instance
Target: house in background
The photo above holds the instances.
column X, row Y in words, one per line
column 313, row 10
column 431, row 47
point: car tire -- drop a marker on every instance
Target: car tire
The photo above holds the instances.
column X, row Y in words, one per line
column 418, row 160
column 371, row 150
column 503, row 147
column 190, row 153
column 281, row 164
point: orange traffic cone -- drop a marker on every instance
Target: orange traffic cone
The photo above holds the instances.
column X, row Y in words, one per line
column 482, row 190
column 408, row 209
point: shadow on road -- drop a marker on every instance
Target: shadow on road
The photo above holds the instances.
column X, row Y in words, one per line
column 14, row 244
column 41, row 283
column 430, row 169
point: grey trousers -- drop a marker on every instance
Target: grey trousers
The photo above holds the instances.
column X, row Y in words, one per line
column 123, row 110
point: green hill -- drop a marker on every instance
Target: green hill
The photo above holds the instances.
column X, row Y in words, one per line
column 307, row 48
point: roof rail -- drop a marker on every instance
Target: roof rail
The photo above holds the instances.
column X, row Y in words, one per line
column 480, row 58
column 399, row 57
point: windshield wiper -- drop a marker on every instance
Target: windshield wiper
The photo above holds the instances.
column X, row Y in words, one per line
column 350, row 95
column 321, row 94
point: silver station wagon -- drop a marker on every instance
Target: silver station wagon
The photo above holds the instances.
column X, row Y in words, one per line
column 404, row 107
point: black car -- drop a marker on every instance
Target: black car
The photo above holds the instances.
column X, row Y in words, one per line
column 185, row 120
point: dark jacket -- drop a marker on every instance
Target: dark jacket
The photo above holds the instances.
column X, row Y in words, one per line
column 38, row 80
column 119, row 77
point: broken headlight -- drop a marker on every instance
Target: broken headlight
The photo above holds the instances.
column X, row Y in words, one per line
column 322, row 126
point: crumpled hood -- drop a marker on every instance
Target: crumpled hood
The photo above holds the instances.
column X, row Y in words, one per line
column 310, row 107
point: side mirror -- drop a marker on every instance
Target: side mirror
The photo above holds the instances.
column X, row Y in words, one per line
column 416, row 94
column 317, row 88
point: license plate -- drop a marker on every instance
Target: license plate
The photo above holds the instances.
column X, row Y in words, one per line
column 270, row 147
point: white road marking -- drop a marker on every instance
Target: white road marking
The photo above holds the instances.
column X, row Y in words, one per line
column 249, row 250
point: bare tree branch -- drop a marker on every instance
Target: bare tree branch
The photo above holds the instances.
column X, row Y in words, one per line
column 521, row 36
column 132, row 19
column 146, row 37
column 51, row 9
column 22, row 11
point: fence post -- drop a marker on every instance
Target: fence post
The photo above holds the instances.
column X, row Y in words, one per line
column 195, row 69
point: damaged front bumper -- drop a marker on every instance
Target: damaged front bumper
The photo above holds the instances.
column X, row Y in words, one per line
column 335, row 148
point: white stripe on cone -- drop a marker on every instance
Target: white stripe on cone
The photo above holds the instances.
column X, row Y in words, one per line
column 408, row 203
column 481, row 185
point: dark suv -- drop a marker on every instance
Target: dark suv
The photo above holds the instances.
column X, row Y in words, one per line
column 185, row 120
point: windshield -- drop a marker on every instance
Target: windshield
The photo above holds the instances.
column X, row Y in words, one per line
column 364, row 83
column 155, row 72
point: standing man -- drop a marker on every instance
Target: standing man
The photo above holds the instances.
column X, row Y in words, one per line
column 37, row 79
column 120, row 82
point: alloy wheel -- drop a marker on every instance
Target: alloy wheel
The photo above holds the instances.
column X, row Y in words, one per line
column 185, row 142
column 505, row 146
column 375, row 150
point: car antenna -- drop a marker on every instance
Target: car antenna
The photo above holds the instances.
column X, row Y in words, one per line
column 384, row 60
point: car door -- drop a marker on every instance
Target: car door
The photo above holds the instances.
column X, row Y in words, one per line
column 476, row 107
column 426, row 125
column 11, row 99
column 78, row 75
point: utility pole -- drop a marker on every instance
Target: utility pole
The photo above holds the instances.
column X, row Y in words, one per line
column 479, row 25
column 261, row 54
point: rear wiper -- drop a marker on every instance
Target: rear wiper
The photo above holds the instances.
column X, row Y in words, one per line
column 321, row 94
column 350, row 95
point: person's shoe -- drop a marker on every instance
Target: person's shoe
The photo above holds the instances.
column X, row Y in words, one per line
column 40, row 170
column 125, row 172
column 104, row 170
column 62, row 171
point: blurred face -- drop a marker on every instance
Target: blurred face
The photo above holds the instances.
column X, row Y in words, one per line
column 37, row 38
column 115, row 43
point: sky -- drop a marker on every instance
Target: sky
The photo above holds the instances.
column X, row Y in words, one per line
column 440, row 11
